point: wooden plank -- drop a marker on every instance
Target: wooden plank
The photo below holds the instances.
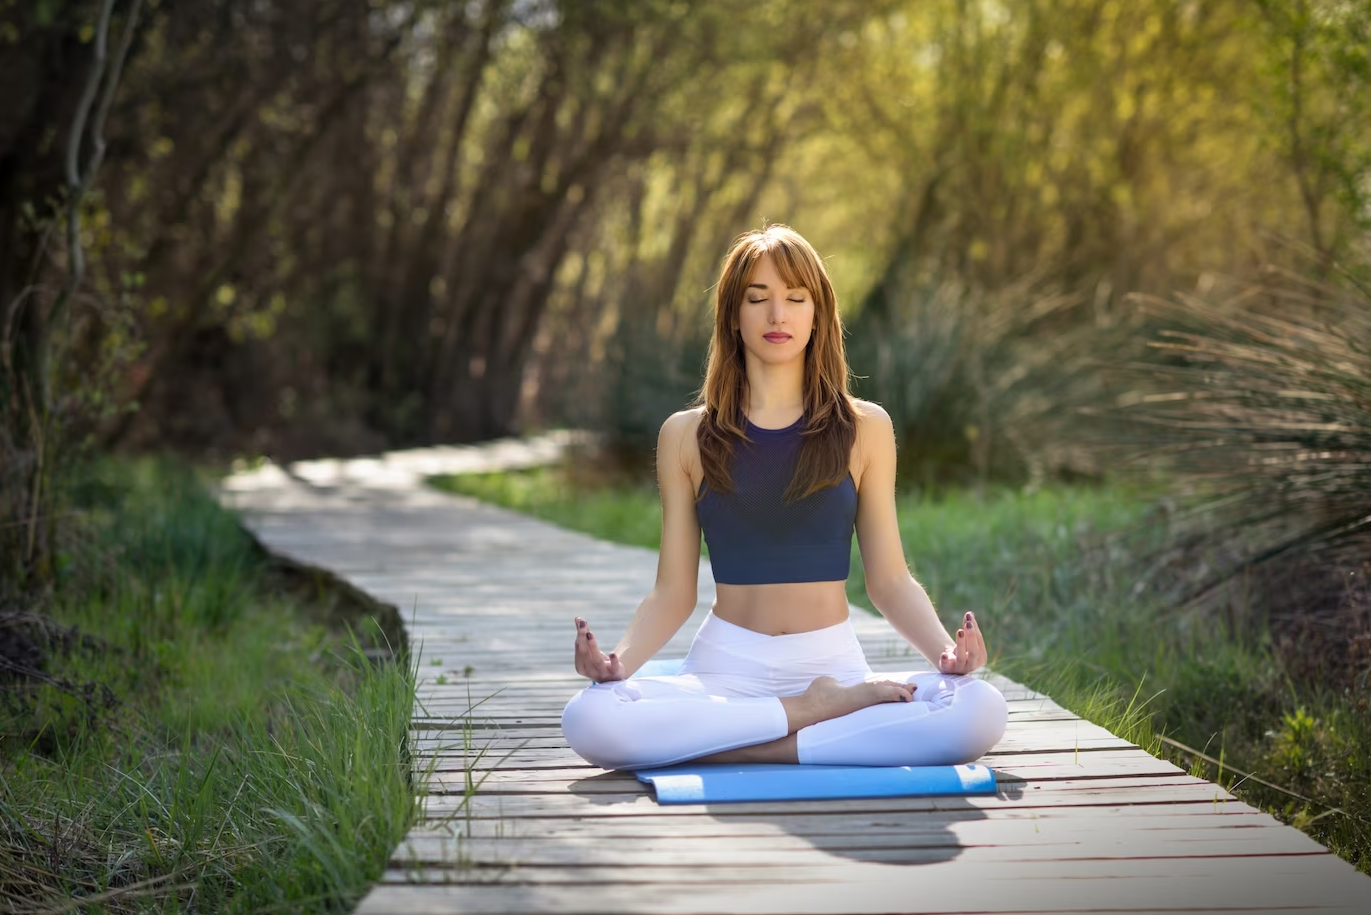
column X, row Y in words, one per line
column 718, row 823
column 1062, row 742
column 753, row 842
column 511, row 716
column 825, row 851
column 691, row 880
column 1161, row 788
column 547, row 704
column 1243, row 884
column 688, row 881
column 438, row 806
column 1022, row 732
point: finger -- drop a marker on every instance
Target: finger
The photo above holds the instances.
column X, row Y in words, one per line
column 614, row 668
column 586, row 655
column 953, row 655
column 978, row 649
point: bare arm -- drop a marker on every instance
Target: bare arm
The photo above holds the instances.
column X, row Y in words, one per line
column 889, row 584
column 672, row 599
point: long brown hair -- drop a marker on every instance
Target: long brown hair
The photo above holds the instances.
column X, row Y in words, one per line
column 829, row 417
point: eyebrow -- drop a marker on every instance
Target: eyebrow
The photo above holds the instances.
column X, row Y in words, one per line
column 765, row 286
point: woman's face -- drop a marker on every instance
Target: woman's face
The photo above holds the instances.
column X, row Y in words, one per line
column 775, row 322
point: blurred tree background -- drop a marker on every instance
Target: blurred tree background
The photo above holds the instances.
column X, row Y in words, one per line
column 1068, row 235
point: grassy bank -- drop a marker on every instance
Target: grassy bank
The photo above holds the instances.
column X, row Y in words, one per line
column 1055, row 585
column 202, row 738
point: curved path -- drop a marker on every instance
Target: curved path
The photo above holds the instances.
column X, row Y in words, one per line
column 1084, row 821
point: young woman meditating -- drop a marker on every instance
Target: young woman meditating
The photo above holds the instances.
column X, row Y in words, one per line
column 776, row 465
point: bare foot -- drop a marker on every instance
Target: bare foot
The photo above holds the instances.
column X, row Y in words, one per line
column 826, row 698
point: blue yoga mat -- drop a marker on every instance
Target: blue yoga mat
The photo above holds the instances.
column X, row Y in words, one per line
column 715, row 783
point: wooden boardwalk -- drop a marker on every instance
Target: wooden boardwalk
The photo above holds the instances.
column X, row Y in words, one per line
column 1084, row 821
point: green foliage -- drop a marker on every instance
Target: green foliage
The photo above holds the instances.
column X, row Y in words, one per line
column 1317, row 61
column 251, row 757
column 1293, row 743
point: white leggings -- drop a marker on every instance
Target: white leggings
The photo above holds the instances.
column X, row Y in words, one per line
column 727, row 696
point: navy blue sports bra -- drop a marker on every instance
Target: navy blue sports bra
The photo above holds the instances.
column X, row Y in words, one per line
column 755, row 539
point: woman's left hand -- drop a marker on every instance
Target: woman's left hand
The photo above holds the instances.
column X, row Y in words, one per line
column 969, row 653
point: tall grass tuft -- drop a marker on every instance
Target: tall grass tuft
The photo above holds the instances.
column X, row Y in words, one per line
column 254, row 760
column 1258, row 402
column 292, row 810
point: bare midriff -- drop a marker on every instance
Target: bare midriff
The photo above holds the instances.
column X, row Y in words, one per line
column 783, row 608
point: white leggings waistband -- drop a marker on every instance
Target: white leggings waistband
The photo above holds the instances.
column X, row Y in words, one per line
column 743, row 662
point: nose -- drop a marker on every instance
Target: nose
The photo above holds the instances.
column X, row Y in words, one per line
column 776, row 311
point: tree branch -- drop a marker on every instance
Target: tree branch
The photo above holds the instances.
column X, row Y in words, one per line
column 78, row 183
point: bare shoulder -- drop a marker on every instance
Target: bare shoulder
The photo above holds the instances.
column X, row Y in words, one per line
column 678, row 437
column 682, row 424
column 875, row 436
column 869, row 412
column 874, row 424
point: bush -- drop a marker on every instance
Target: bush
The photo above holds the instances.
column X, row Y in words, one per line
column 1257, row 402
column 975, row 381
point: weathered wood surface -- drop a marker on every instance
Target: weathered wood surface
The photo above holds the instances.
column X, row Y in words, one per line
column 516, row 822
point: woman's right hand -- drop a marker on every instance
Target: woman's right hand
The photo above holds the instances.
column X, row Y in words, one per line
column 591, row 661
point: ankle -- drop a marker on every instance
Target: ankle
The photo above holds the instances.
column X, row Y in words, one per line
column 799, row 712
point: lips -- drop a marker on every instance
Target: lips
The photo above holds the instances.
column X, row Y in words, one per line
column 776, row 338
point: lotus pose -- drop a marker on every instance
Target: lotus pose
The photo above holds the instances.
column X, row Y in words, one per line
column 776, row 465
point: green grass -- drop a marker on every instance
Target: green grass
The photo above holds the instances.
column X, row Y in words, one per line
column 1067, row 611
column 251, row 760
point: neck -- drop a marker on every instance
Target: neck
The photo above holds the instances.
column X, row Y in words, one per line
column 774, row 387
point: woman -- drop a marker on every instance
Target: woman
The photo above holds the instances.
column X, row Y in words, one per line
column 776, row 464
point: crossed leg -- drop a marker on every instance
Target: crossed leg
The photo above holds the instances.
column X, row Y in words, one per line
column 952, row 719
column 659, row 721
